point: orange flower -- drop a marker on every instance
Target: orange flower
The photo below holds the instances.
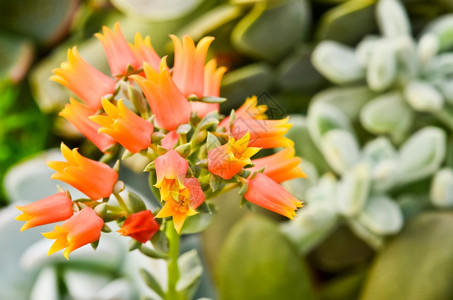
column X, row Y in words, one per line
column 266, row 193
column 52, row 209
column 119, row 55
column 190, row 197
column 263, row 133
column 82, row 228
column 127, row 128
column 227, row 160
column 77, row 113
column 170, row 140
column 188, row 70
column 93, row 178
column 140, row 226
column 211, row 87
column 144, row 51
column 171, row 170
column 249, row 110
column 169, row 106
column 280, row 166
column 84, row 80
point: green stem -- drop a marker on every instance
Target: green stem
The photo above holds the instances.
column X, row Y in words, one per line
column 173, row 271
column 121, row 202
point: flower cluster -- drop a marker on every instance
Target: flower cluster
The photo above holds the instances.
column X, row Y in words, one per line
column 171, row 117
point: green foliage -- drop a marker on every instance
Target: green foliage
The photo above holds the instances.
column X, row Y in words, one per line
column 417, row 263
column 257, row 262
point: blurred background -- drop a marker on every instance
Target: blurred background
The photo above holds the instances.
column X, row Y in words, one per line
column 368, row 85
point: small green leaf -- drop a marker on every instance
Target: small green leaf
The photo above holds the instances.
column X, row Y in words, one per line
column 152, row 282
column 160, row 241
column 441, row 193
column 387, row 114
column 353, row 190
column 392, row 18
column 212, row 142
column 197, row 223
column 152, row 253
column 422, row 154
column 134, row 202
column 337, row 62
column 423, row 97
column 341, row 150
column 215, row 182
column 190, row 269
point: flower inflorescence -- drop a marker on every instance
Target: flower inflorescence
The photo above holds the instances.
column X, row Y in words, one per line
column 171, row 117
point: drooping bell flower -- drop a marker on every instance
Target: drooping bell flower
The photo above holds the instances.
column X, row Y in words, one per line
column 171, row 170
column 144, row 51
column 88, row 83
column 280, row 166
column 266, row 193
column 263, row 133
column 188, row 70
column 227, row 160
column 167, row 103
column 248, row 110
column 82, row 228
column 55, row 208
column 124, row 126
column 190, row 197
column 211, row 87
column 78, row 114
column 93, row 178
column 119, row 55
column 140, row 226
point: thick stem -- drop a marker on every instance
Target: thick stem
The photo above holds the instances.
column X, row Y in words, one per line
column 173, row 271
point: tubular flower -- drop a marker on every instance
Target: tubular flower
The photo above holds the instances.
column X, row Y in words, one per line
column 227, row 160
column 190, row 197
column 52, row 209
column 188, row 70
column 144, row 51
column 168, row 105
column 82, row 228
column 266, row 193
column 263, row 133
column 211, row 87
column 280, row 166
column 84, row 80
column 140, row 226
column 249, row 110
column 127, row 128
column 119, row 55
column 171, row 170
column 93, row 178
column 78, row 114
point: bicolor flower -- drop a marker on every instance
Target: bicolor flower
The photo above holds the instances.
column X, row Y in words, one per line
column 211, row 87
column 82, row 228
column 119, row 55
column 55, row 208
column 266, row 193
column 140, row 226
column 227, row 160
column 167, row 103
column 124, row 126
column 78, row 114
column 248, row 110
column 263, row 133
column 88, row 83
column 280, row 166
column 190, row 197
column 144, row 51
column 171, row 170
column 188, row 70
column 93, row 178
